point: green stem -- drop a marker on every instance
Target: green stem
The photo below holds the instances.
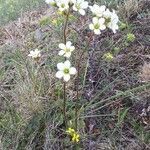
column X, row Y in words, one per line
column 64, row 104
column 64, row 86
column 65, row 27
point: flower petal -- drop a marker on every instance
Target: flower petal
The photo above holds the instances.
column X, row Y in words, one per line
column 30, row 55
column 91, row 26
column 75, row 8
column 59, row 74
column 103, row 27
column 91, row 8
column 62, row 52
column 84, row 5
column 73, row 70
column 68, row 54
column 72, row 1
column 82, row 12
column 102, row 8
column 67, row 64
column 62, row 46
column 95, row 20
column 97, row 31
column 101, row 20
column 60, row 66
column 49, row 1
column 72, row 48
column 66, row 77
column 68, row 44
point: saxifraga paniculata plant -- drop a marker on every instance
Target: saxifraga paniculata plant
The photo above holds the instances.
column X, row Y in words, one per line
column 102, row 19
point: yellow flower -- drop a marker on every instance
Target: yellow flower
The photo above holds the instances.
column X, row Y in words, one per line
column 75, row 137
column 70, row 131
column 108, row 56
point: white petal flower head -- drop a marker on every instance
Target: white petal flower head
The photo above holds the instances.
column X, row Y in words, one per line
column 65, row 70
column 97, row 25
column 98, row 10
column 35, row 54
column 62, row 5
column 111, row 20
column 114, row 22
column 80, row 6
column 66, row 49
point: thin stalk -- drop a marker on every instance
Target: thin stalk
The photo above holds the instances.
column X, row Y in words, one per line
column 65, row 27
column 64, row 104
column 64, row 85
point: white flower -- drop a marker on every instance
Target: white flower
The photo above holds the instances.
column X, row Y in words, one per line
column 62, row 5
column 97, row 10
column 65, row 70
column 114, row 22
column 35, row 54
column 66, row 49
column 111, row 20
column 98, row 24
column 80, row 5
column 50, row 2
column 107, row 13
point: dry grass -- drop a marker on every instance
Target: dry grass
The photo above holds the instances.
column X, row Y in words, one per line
column 145, row 72
column 130, row 8
column 11, row 10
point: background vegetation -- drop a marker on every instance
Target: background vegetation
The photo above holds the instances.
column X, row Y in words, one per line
column 11, row 9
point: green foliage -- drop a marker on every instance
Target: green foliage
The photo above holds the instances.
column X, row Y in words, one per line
column 45, row 21
column 31, row 130
column 116, row 50
column 10, row 124
column 140, row 131
column 123, row 26
column 121, row 116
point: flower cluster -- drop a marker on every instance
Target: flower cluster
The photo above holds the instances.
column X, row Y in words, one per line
column 64, row 5
column 103, row 18
column 74, row 135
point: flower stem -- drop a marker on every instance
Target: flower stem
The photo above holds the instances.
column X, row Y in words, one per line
column 64, row 104
column 64, row 86
column 65, row 26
